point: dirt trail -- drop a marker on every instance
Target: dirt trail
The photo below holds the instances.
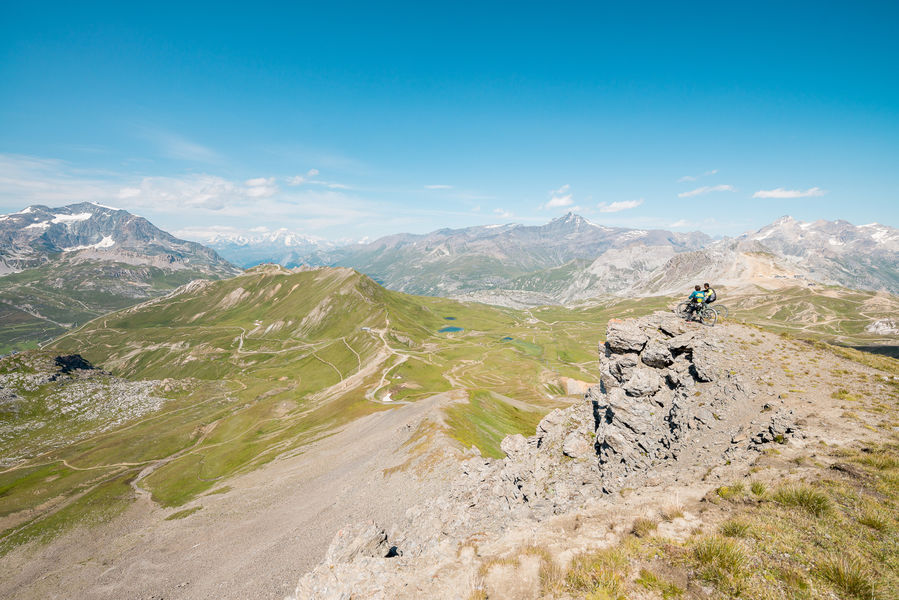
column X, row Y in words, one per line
column 253, row 541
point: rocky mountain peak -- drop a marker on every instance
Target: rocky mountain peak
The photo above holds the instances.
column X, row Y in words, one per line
column 40, row 234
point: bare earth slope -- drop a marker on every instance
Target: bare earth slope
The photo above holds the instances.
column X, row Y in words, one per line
column 253, row 539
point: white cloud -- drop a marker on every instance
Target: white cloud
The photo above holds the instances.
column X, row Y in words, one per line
column 687, row 178
column 204, row 234
column 619, row 206
column 129, row 192
column 680, row 223
column 707, row 189
column 560, row 197
column 782, row 193
column 301, row 179
column 438, row 186
column 503, row 213
column 261, row 187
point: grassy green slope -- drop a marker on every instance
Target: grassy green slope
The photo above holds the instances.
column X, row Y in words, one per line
column 43, row 302
column 823, row 313
column 266, row 362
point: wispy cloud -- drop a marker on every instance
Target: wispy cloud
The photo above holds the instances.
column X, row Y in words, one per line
column 438, row 186
column 681, row 223
column 782, row 193
column 503, row 213
column 687, row 178
column 707, row 189
column 619, row 206
column 560, row 197
column 261, row 187
column 297, row 180
column 173, row 145
column 301, row 179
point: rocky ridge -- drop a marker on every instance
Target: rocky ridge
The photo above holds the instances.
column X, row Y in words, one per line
column 670, row 404
column 39, row 392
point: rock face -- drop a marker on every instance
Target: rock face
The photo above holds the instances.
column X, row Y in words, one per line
column 666, row 403
column 72, row 362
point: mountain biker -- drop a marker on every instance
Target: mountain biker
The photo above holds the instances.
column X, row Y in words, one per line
column 697, row 299
column 710, row 295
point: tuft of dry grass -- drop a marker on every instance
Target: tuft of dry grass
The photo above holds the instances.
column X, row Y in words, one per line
column 874, row 517
column 670, row 513
column 644, row 526
column 720, row 559
column 849, row 575
column 758, row 488
column 880, row 461
column 731, row 492
column 653, row 582
column 803, row 496
column 734, row 528
column 601, row 574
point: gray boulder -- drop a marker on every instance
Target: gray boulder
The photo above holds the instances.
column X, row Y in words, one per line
column 576, row 445
column 643, row 382
column 656, row 354
column 625, row 336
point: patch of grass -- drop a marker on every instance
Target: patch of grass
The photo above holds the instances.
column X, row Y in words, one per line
column 874, row 516
column 643, row 526
column 880, row 461
column 731, row 492
column 653, row 582
column 758, row 488
column 734, row 528
column 719, row 558
column 849, row 575
column 98, row 505
column 803, row 496
column 844, row 395
column 601, row 574
column 485, row 420
column 670, row 513
column 183, row 513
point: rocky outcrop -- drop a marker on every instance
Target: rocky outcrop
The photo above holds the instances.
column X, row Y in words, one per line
column 666, row 403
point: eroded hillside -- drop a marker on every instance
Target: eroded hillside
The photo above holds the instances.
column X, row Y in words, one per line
column 710, row 463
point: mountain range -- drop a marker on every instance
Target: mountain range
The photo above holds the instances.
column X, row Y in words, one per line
column 67, row 265
column 571, row 259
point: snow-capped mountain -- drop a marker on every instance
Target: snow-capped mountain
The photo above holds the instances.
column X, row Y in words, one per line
column 281, row 246
column 856, row 256
column 797, row 238
column 38, row 235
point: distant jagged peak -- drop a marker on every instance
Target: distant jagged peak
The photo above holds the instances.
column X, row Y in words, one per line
column 575, row 220
column 837, row 236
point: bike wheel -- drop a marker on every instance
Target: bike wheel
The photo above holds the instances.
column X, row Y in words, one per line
column 721, row 310
column 681, row 310
column 709, row 316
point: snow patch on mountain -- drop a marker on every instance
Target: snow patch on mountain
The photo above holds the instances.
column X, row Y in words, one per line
column 67, row 219
column 106, row 242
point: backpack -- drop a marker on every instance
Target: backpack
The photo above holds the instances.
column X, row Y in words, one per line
column 711, row 296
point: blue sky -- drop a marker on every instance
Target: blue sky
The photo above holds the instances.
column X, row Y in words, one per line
column 352, row 120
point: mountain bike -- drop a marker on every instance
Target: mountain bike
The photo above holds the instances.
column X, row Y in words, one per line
column 707, row 314
column 720, row 309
